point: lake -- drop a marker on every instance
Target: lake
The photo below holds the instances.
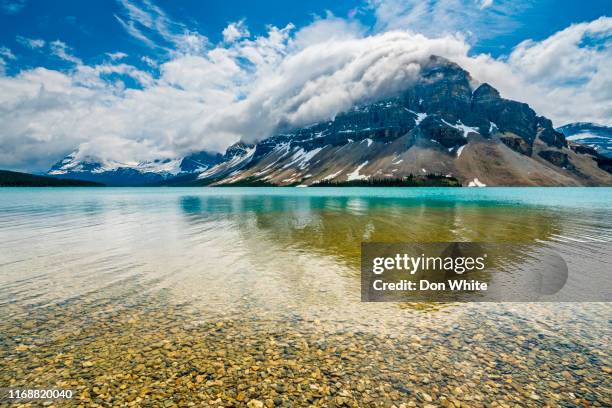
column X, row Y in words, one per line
column 220, row 295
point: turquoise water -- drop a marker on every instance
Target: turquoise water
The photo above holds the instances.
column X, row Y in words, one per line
column 565, row 197
column 276, row 247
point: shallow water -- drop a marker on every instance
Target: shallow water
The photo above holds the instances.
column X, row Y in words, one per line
column 284, row 262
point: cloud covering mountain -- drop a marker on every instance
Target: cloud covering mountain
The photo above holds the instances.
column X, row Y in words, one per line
column 206, row 96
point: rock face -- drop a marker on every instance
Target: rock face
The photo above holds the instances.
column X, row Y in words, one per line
column 441, row 125
column 198, row 162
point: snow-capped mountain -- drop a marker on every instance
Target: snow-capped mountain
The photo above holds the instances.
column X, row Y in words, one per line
column 440, row 126
column 114, row 173
column 593, row 135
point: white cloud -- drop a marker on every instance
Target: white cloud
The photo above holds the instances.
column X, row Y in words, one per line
column 130, row 27
column 190, row 43
column 7, row 53
column 30, row 42
column 318, row 81
column 328, row 29
column 148, row 23
column 475, row 19
column 116, row 55
column 201, row 102
column 60, row 50
column 211, row 97
column 566, row 77
column 235, row 31
column 485, row 3
column 149, row 61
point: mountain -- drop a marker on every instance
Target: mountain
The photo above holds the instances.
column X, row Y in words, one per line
column 115, row 173
column 439, row 127
column 592, row 135
column 18, row 179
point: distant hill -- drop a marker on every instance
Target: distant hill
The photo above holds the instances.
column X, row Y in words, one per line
column 17, row 179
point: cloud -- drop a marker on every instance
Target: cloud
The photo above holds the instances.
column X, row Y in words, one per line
column 60, row 50
column 318, row 81
column 330, row 28
column 149, row 61
column 130, row 27
column 475, row 19
column 566, row 76
column 12, row 6
column 235, row 31
column 30, row 43
column 7, row 53
column 485, row 3
column 254, row 86
column 149, row 24
column 116, row 55
column 243, row 91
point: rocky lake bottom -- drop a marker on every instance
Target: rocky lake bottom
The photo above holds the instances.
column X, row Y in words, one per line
column 510, row 355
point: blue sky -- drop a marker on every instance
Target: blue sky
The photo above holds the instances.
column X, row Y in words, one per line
column 91, row 28
column 143, row 79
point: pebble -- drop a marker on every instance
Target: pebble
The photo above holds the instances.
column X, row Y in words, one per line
column 166, row 356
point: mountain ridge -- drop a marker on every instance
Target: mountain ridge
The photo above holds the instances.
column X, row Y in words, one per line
column 439, row 126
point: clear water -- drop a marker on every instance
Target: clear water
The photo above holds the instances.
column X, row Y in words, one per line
column 90, row 279
column 264, row 249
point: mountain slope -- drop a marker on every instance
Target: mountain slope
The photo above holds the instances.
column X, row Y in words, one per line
column 439, row 126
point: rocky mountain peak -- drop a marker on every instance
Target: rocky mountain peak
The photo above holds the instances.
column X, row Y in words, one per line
column 238, row 149
column 485, row 93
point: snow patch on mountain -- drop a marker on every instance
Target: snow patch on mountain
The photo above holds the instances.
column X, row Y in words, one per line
column 368, row 141
column 476, row 183
column 460, row 150
column 354, row 175
column 585, row 135
column 302, row 157
column 463, row 128
column 419, row 116
column 331, row 176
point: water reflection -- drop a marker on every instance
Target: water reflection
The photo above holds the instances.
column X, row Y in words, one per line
column 337, row 225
